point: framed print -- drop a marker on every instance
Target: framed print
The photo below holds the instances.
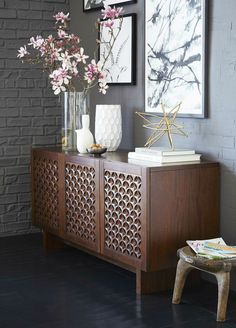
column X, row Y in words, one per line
column 175, row 56
column 120, row 66
column 98, row 4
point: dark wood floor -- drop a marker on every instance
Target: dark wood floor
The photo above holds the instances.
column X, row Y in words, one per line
column 70, row 289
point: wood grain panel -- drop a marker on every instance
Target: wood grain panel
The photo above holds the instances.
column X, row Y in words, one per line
column 184, row 204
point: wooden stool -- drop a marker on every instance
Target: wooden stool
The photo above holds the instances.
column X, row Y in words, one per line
column 219, row 268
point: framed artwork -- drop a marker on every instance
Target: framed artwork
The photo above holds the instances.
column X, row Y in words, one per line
column 175, row 56
column 98, row 4
column 120, row 66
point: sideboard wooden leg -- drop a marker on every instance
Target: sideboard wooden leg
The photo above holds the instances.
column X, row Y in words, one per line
column 152, row 282
column 50, row 242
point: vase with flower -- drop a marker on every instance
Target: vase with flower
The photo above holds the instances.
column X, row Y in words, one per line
column 65, row 60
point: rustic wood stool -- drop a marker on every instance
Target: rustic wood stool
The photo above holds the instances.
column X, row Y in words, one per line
column 219, row 268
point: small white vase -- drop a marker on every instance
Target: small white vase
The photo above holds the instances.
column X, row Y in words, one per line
column 108, row 129
column 84, row 136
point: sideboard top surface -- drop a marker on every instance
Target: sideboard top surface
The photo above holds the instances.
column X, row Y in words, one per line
column 121, row 156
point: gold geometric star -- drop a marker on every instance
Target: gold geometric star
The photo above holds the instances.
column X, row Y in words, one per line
column 165, row 125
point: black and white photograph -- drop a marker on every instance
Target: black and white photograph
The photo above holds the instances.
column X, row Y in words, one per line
column 98, row 4
column 120, row 66
column 175, row 56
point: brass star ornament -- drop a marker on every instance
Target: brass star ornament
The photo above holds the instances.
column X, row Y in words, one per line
column 166, row 124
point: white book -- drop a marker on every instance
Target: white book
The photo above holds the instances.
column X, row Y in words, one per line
column 197, row 245
column 143, row 163
column 164, row 159
column 212, row 248
column 155, row 164
column 161, row 151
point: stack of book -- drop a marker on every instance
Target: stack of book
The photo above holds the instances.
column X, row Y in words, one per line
column 212, row 248
column 164, row 155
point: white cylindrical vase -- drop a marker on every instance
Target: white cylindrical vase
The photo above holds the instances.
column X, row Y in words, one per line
column 108, row 126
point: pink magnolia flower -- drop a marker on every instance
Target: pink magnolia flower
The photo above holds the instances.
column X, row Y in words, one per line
column 50, row 39
column 91, row 71
column 61, row 17
column 74, row 38
column 65, row 58
column 54, row 52
column 111, row 13
column 48, row 48
column 88, row 76
column 81, row 57
column 102, row 84
column 61, row 34
column 73, row 68
column 60, row 78
column 102, row 87
column 36, row 42
column 58, row 87
column 60, row 74
column 22, row 52
column 107, row 23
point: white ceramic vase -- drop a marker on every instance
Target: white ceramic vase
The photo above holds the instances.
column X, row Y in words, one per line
column 108, row 126
column 84, row 136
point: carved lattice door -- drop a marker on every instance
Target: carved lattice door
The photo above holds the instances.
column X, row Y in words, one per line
column 45, row 172
column 123, row 210
column 81, row 202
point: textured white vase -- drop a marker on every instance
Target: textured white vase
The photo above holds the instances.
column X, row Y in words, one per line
column 108, row 126
column 84, row 136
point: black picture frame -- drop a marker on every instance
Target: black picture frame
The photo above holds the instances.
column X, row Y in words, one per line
column 153, row 96
column 119, row 3
column 131, row 53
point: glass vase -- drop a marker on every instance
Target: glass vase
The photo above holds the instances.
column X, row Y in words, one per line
column 75, row 104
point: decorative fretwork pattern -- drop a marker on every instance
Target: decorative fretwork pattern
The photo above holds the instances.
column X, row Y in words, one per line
column 122, row 213
column 46, row 198
column 80, row 202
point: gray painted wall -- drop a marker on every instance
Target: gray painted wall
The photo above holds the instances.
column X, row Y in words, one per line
column 29, row 112
column 215, row 136
column 130, row 97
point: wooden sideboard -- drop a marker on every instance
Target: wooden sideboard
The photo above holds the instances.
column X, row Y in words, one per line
column 131, row 215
